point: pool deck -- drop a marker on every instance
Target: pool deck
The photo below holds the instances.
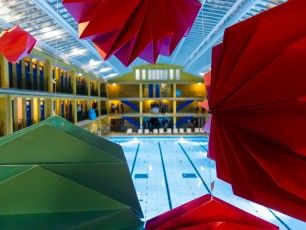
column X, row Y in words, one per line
column 135, row 134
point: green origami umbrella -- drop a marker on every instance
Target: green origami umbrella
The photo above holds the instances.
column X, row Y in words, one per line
column 55, row 175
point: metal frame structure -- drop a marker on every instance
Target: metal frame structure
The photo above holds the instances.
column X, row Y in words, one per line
column 57, row 33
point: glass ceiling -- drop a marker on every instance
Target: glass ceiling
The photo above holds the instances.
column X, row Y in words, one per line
column 57, row 33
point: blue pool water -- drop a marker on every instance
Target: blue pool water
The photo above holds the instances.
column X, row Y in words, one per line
column 170, row 171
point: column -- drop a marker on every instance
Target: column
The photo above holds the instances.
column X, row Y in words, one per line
column 33, row 110
column 99, row 129
column 99, row 108
column 57, row 80
column 49, row 107
column 38, row 74
column 88, row 85
column 14, row 72
column 74, row 110
column 31, row 73
column 89, row 106
column 73, row 81
column 5, row 80
column 24, row 112
column 174, row 106
column 49, row 103
column 38, row 109
column 140, row 107
column 15, row 115
column 23, row 74
column 36, row 86
column 99, row 102
column 9, row 116
column 99, row 89
column 48, row 74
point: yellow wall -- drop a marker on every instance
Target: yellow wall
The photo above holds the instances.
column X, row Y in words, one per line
column 35, row 109
column 192, row 90
column 122, row 91
column 19, row 109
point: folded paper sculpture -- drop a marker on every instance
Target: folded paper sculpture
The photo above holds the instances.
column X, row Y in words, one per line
column 205, row 213
column 204, row 104
column 55, row 175
column 257, row 98
column 16, row 44
column 134, row 28
column 206, row 127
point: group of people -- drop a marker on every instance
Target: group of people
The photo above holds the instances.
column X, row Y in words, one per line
column 154, row 123
column 193, row 124
column 159, row 108
column 197, row 109
column 116, row 109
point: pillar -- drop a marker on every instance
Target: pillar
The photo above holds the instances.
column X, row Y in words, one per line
column 15, row 115
column 31, row 73
column 49, row 107
column 14, row 72
column 33, row 110
column 99, row 89
column 74, row 110
column 88, row 85
column 23, row 74
column 140, row 107
column 24, row 112
column 9, row 115
column 174, row 106
column 37, row 74
column 48, row 74
column 57, row 79
column 73, row 81
column 5, row 80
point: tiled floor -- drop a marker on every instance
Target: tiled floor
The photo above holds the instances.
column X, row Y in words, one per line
column 170, row 171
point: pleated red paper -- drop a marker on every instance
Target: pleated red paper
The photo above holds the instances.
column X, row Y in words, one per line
column 206, row 213
column 16, row 44
column 257, row 97
column 134, row 28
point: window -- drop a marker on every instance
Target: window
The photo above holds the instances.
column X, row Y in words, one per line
column 177, row 74
column 137, row 74
column 157, row 74
column 144, row 74
column 171, row 73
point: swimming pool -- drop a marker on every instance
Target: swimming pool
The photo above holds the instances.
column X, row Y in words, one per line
column 170, row 171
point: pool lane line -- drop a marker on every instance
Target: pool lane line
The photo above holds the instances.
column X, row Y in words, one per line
column 165, row 176
column 195, row 169
column 135, row 158
column 204, row 148
column 278, row 218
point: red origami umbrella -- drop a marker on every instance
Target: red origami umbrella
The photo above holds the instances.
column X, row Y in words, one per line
column 207, row 212
column 16, row 44
column 206, row 127
column 204, row 104
column 134, row 28
column 258, row 101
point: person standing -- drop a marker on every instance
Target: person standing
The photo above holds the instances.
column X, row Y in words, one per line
column 197, row 108
column 122, row 108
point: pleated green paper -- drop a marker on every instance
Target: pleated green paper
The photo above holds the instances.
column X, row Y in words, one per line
column 55, row 175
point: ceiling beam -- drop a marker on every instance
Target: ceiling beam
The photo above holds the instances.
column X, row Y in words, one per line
column 58, row 19
column 178, row 48
column 240, row 8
